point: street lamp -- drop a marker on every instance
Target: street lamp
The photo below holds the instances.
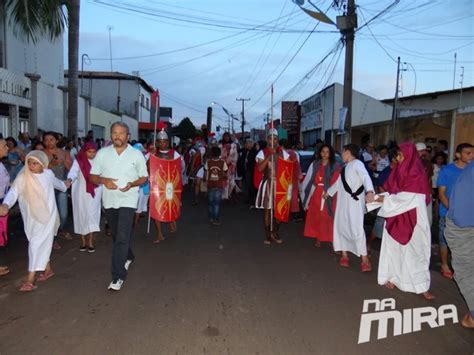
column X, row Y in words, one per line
column 231, row 117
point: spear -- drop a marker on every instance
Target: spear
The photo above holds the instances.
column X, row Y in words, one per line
column 272, row 185
column 157, row 118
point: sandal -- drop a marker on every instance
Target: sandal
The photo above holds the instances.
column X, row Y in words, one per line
column 276, row 238
column 366, row 267
column 27, row 287
column 44, row 276
column 344, row 262
column 447, row 274
column 65, row 235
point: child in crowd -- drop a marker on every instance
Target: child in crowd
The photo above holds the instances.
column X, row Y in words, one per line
column 381, row 161
column 216, row 173
column 34, row 189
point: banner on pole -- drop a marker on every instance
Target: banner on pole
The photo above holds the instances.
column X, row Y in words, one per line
column 165, row 189
column 342, row 119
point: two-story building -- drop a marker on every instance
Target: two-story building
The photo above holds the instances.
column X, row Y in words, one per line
column 114, row 95
column 30, row 79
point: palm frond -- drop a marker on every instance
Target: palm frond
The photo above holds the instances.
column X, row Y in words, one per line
column 33, row 19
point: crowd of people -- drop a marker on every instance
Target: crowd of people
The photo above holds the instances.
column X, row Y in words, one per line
column 408, row 187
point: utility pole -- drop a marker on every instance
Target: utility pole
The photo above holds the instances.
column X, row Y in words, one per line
column 454, row 74
column 395, row 102
column 243, row 115
column 110, row 28
column 347, row 25
column 461, row 83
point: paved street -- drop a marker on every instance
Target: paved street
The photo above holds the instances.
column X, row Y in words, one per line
column 211, row 290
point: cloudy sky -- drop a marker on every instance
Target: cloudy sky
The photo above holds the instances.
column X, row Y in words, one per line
column 197, row 52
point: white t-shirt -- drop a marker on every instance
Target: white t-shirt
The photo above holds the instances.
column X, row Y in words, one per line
column 4, row 180
column 366, row 156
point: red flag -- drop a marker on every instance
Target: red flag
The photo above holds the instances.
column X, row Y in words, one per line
column 283, row 189
column 165, row 189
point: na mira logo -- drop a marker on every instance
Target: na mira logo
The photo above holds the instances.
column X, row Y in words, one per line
column 404, row 322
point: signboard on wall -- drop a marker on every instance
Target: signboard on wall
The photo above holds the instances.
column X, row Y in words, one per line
column 290, row 116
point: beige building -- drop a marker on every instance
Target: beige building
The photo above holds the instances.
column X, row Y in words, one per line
column 427, row 118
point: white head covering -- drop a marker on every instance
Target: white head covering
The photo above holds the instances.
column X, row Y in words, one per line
column 272, row 132
column 420, row 146
column 28, row 186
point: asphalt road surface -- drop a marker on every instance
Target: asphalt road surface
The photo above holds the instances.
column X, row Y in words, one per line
column 212, row 290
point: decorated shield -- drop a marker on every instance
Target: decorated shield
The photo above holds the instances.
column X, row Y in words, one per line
column 165, row 189
column 283, row 189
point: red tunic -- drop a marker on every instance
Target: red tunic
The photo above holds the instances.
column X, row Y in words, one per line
column 319, row 224
column 295, row 204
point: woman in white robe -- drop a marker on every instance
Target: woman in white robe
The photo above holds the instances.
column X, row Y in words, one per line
column 34, row 190
column 349, row 234
column 406, row 241
column 86, row 197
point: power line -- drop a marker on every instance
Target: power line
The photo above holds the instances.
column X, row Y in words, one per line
column 209, row 22
column 338, row 46
column 287, row 65
column 288, row 16
column 250, row 80
column 375, row 38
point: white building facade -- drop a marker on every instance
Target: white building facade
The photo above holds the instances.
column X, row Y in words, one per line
column 30, row 79
column 320, row 113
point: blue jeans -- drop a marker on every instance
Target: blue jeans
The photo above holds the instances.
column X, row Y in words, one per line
column 441, row 238
column 215, row 198
column 62, row 202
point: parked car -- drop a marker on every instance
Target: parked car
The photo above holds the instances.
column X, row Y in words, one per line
column 306, row 158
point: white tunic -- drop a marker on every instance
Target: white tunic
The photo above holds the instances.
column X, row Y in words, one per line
column 85, row 208
column 406, row 266
column 349, row 234
column 40, row 236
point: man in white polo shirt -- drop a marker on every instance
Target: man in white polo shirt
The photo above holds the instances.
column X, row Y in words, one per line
column 121, row 169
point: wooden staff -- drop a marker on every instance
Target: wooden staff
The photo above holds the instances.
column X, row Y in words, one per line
column 272, row 174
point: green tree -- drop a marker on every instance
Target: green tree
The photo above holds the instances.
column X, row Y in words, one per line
column 34, row 19
column 185, row 129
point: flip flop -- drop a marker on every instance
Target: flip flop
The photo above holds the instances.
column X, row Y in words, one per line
column 44, row 276
column 27, row 287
